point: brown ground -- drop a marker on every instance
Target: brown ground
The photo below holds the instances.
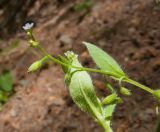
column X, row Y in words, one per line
column 127, row 29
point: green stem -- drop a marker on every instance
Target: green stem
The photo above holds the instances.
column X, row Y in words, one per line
column 139, row 85
column 125, row 79
column 105, row 126
column 80, row 68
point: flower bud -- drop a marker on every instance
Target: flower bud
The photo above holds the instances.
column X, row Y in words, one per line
column 70, row 55
column 156, row 94
column 124, row 91
column 119, row 100
column 33, row 43
column 37, row 64
column 110, row 99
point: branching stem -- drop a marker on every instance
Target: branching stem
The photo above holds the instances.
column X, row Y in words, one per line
column 125, row 79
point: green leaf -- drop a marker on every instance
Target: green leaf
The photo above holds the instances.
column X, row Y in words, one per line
column 82, row 91
column 108, row 111
column 6, row 82
column 104, row 61
column 109, row 87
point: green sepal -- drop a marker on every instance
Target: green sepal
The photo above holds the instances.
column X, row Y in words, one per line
column 124, row 91
column 112, row 99
column 109, row 87
column 37, row 64
column 66, row 61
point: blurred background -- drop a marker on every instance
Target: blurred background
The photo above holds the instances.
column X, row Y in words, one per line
column 39, row 102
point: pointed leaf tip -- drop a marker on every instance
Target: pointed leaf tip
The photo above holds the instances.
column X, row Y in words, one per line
column 104, row 61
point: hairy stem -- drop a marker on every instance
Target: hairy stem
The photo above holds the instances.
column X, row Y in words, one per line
column 79, row 68
column 105, row 126
column 139, row 85
column 125, row 79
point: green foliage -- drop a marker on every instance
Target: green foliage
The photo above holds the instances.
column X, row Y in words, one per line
column 6, row 82
column 83, row 5
column 108, row 111
column 104, row 61
column 6, row 86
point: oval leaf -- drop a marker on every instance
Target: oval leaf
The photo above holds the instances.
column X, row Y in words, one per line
column 82, row 91
column 104, row 61
column 108, row 111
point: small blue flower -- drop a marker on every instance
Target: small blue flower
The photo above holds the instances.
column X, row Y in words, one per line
column 28, row 26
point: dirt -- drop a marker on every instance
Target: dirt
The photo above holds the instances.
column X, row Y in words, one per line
column 128, row 30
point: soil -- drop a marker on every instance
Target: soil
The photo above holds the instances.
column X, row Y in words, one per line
column 126, row 29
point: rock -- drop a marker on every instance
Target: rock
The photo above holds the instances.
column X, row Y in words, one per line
column 13, row 113
column 102, row 43
column 65, row 39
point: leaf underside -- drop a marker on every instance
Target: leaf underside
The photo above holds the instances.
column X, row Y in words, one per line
column 82, row 91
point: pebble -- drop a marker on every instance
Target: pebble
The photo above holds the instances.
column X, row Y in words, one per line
column 102, row 43
column 13, row 113
column 65, row 39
